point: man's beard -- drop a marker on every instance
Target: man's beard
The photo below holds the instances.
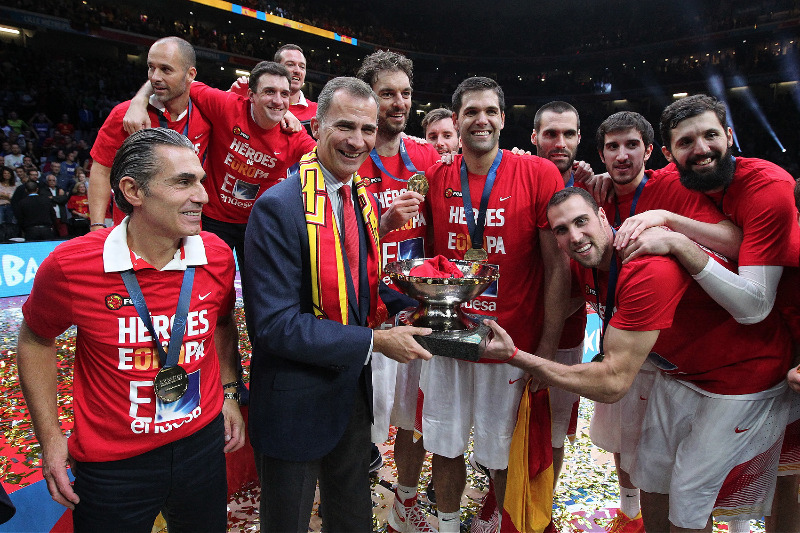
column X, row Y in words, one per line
column 720, row 177
column 384, row 127
column 566, row 164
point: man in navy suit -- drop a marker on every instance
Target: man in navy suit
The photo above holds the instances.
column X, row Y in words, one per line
column 311, row 307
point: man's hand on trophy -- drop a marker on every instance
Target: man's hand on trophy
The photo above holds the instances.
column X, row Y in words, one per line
column 501, row 345
column 399, row 344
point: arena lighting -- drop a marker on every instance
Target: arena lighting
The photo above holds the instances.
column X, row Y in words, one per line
column 790, row 71
column 6, row 29
column 752, row 104
column 717, row 89
column 680, row 95
column 242, row 72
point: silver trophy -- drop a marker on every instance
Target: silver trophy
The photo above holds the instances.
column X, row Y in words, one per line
column 455, row 333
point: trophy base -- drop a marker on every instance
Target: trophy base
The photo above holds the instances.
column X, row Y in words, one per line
column 468, row 344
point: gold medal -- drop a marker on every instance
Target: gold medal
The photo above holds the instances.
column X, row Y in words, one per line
column 418, row 183
column 476, row 254
column 171, row 383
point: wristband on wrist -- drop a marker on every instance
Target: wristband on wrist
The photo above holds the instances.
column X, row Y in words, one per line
column 513, row 355
column 98, row 224
column 231, row 384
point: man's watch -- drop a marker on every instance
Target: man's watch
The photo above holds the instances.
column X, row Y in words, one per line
column 231, row 396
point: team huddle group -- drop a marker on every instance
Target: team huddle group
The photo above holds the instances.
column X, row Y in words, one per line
column 692, row 268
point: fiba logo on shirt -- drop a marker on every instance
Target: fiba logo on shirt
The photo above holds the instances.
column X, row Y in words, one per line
column 450, row 193
column 369, row 181
column 115, row 302
column 238, row 131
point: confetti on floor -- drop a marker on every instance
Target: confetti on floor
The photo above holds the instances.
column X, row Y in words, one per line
column 585, row 498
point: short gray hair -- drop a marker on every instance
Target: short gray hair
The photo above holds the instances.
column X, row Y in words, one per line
column 138, row 159
column 352, row 86
column 185, row 50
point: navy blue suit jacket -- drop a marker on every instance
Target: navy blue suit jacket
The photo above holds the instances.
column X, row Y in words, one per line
column 304, row 371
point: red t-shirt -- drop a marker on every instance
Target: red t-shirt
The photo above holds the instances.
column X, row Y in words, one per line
column 243, row 160
column 660, row 193
column 116, row 412
column 575, row 324
column 760, row 200
column 111, row 136
column 663, row 190
column 408, row 242
column 65, row 128
column 517, row 210
column 648, row 291
column 704, row 343
column 304, row 113
column 79, row 203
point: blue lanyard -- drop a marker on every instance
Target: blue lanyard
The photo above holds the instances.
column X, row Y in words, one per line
column 611, row 290
column 403, row 155
column 170, row 358
column 476, row 228
column 636, row 195
column 571, row 182
column 162, row 120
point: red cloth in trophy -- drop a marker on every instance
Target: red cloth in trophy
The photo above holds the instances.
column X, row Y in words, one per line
column 437, row 267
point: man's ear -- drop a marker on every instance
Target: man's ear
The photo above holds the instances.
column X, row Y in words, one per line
column 131, row 191
column 314, row 127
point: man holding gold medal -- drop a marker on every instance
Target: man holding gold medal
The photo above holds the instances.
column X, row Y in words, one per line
column 155, row 361
column 395, row 173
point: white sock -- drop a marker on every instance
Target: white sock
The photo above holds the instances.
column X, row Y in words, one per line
column 406, row 492
column 449, row 522
column 739, row 526
column 629, row 501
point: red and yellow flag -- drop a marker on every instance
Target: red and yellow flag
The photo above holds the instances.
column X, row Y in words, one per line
column 528, row 506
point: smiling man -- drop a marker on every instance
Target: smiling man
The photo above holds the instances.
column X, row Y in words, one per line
column 508, row 193
column 170, row 72
column 291, row 56
column 151, row 421
column 439, row 130
column 713, row 424
column 625, row 143
column 312, row 300
column 404, row 230
column 248, row 152
column 755, row 194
